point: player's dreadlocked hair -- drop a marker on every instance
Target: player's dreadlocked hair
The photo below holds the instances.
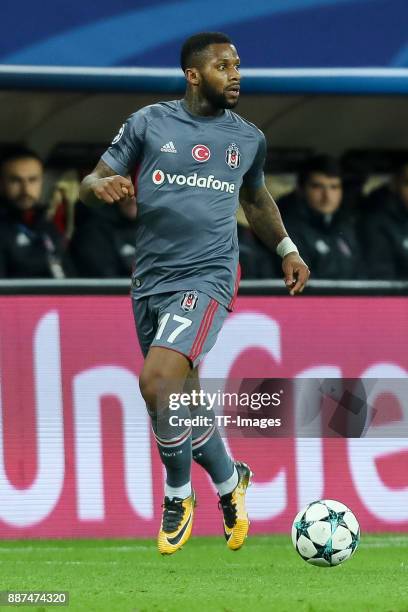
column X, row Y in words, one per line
column 194, row 45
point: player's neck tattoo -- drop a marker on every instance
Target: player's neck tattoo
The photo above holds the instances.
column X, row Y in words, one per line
column 201, row 106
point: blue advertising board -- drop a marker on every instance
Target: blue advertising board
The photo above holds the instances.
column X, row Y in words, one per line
column 268, row 33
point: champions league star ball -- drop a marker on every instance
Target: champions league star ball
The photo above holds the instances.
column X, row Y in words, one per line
column 325, row 533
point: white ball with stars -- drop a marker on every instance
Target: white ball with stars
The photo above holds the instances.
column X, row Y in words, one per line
column 325, row 533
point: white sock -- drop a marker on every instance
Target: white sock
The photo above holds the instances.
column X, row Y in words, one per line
column 228, row 485
column 181, row 492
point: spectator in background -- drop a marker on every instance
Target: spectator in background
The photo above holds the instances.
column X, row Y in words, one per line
column 254, row 257
column 384, row 228
column 318, row 224
column 30, row 245
column 103, row 243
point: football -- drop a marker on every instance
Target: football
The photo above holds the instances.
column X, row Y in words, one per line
column 325, row 533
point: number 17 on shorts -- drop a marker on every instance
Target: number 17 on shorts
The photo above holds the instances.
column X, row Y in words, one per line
column 187, row 322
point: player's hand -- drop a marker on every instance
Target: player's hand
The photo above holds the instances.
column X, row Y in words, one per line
column 113, row 188
column 296, row 273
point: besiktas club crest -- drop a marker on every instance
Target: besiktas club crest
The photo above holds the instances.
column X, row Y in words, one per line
column 233, row 156
column 189, row 301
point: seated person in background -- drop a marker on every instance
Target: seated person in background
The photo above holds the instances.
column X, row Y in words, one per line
column 62, row 203
column 322, row 230
column 288, row 203
column 384, row 230
column 30, row 245
column 254, row 257
column 103, row 243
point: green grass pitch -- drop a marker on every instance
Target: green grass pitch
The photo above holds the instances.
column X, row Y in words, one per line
column 267, row 574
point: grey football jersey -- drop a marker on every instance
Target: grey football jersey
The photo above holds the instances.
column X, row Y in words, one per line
column 189, row 172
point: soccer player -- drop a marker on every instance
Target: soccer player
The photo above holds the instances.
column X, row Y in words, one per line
column 195, row 158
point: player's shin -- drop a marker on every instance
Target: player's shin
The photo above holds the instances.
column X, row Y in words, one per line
column 230, row 478
column 173, row 437
column 173, row 440
column 210, row 452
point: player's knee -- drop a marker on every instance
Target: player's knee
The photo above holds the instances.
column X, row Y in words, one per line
column 152, row 383
column 147, row 389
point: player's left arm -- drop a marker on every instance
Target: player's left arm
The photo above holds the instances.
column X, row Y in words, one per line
column 264, row 218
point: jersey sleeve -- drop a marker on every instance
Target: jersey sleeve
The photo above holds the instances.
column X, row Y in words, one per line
column 127, row 146
column 254, row 177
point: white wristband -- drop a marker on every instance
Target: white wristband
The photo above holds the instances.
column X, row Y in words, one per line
column 285, row 247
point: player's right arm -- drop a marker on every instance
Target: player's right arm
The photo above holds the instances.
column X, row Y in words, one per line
column 109, row 182
column 105, row 185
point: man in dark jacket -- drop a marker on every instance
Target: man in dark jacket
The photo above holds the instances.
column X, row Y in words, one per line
column 384, row 228
column 103, row 243
column 323, row 231
column 255, row 259
column 30, row 245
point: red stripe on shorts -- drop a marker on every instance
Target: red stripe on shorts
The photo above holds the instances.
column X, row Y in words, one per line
column 203, row 329
column 236, row 286
column 206, row 329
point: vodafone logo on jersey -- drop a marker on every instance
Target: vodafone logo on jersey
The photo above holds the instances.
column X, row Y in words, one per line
column 158, row 177
column 193, row 180
column 201, row 153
